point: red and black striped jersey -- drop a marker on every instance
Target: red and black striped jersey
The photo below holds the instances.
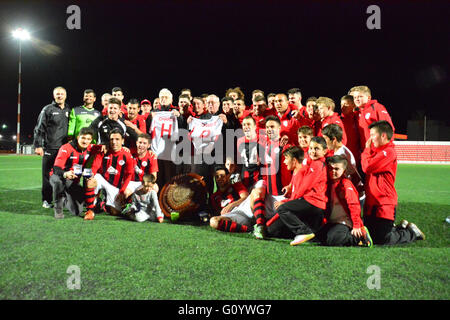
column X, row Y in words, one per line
column 71, row 158
column 145, row 165
column 250, row 155
column 275, row 171
column 115, row 167
column 220, row 199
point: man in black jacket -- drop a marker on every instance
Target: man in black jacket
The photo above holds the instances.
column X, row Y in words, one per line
column 102, row 126
column 50, row 134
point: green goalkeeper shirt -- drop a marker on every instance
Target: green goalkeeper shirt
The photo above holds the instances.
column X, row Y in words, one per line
column 81, row 117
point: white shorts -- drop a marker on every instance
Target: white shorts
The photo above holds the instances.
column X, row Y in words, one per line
column 111, row 191
column 269, row 199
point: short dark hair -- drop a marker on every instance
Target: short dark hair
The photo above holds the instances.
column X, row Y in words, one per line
column 260, row 98
column 89, row 91
column 145, row 136
column 86, row 130
column 221, row 167
column 338, row 159
column 295, row 153
column 347, row 97
column 249, row 117
column 115, row 131
column 134, row 101
column 116, row 89
column 383, row 127
column 273, row 118
column 333, row 131
column 227, row 99
column 321, row 141
column 294, row 91
column 113, row 100
column 306, row 130
column 185, row 96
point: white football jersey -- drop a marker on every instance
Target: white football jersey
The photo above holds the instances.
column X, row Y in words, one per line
column 204, row 133
column 164, row 132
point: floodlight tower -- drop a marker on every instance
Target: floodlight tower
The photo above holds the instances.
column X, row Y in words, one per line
column 21, row 35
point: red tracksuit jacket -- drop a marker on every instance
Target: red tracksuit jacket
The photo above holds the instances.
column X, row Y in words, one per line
column 333, row 119
column 380, row 166
column 371, row 112
column 349, row 200
column 310, row 182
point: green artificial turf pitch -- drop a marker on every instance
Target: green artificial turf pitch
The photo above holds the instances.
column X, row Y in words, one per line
column 120, row 259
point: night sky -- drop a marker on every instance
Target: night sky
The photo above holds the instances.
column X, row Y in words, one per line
column 322, row 47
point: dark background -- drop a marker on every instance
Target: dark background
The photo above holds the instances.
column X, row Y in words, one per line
column 322, row 47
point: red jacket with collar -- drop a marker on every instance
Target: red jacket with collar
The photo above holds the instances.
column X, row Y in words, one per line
column 371, row 112
column 349, row 199
column 380, row 166
column 333, row 119
column 310, row 183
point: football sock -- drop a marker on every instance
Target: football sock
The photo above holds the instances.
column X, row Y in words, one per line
column 231, row 226
column 89, row 198
column 259, row 209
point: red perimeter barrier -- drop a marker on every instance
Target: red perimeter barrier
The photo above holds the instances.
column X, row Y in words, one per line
column 423, row 151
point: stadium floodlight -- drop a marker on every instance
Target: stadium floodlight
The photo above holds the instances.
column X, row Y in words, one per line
column 21, row 35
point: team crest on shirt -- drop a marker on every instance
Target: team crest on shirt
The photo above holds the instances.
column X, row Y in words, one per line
column 112, row 170
column 144, row 163
column 121, row 163
column 285, row 123
column 367, row 116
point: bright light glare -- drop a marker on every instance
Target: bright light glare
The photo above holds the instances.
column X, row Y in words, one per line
column 14, row 137
column 21, row 34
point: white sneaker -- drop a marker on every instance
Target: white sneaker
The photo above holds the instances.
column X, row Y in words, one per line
column 301, row 238
column 46, row 205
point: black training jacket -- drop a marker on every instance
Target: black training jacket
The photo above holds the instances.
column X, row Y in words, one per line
column 51, row 128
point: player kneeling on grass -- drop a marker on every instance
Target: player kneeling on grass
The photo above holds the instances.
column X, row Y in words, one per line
column 302, row 213
column 344, row 226
column 67, row 171
column 144, row 202
column 231, row 204
column 380, row 165
column 112, row 171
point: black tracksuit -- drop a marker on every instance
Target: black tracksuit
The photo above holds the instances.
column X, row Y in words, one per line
column 50, row 134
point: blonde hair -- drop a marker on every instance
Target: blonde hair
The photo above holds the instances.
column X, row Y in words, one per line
column 363, row 89
column 328, row 102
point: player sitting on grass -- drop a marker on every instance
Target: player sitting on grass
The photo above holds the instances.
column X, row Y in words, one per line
column 303, row 212
column 333, row 136
column 379, row 162
column 144, row 202
column 112, row 172
column 275, row 176
column 67, row 171
column 344, row 226
column 230, row 204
